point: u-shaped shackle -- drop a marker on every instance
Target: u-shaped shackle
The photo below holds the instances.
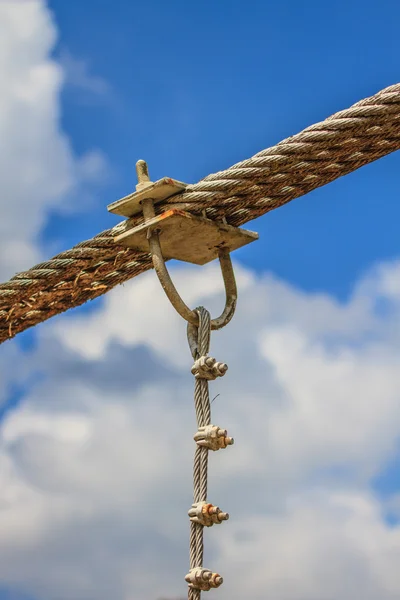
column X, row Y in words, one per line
column 160, row 268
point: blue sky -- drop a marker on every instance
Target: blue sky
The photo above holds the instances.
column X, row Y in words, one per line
column 196, row 87
column 91, row 87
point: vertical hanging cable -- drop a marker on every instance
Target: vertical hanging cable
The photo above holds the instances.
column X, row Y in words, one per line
column 208, row 437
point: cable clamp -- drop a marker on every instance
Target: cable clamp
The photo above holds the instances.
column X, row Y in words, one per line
column 207, row 514
column 203, row 579
column 207, row 367
column 212, row 437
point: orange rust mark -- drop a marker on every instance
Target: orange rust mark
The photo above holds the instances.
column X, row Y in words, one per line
column 173, row 212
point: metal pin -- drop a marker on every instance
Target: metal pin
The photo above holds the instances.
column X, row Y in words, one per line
column 142, row 172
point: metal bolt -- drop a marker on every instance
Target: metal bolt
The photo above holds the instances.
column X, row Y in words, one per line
column 207, row 514
column 207, row 367
column 203, row 579
column 142, row 172
column 212, row 437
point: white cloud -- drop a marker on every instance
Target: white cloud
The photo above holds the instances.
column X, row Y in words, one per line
column 38, row 170
column 96, row 460
column 322, row 546
column 99, row 476
column 138, row 313
column 77, row 74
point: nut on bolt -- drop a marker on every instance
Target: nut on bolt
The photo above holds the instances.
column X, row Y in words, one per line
column 207, row 514
column 212, row 437
column 207, row 367
column 203, row 579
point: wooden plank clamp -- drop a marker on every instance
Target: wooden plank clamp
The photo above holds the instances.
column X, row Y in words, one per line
column 183, row 236
column 180, row 235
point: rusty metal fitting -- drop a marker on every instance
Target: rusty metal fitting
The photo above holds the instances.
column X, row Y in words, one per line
column 212, row 437
column 207, row 367
column 203, row 579
column 207, row 514
column 142, row 172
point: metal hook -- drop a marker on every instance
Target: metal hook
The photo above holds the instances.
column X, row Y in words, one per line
column 159, row 265
column 190, row 315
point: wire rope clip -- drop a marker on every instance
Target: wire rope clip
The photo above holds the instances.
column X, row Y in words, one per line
column 207, row 367
column 207, row 514
column 183, row 236
column 203, row 579
column 212, row 437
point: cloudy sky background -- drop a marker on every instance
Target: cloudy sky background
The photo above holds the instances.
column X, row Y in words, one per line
column 96, row 406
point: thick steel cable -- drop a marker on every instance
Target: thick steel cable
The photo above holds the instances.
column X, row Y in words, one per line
column 321, row 153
